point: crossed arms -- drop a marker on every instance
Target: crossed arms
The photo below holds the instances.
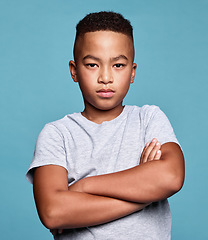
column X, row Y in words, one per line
column 100, row 199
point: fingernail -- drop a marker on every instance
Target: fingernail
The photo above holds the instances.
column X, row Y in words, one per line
column 158, row 144
column 154, row 140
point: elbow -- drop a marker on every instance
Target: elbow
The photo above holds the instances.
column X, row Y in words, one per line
column 175, row 183
column 49, row 218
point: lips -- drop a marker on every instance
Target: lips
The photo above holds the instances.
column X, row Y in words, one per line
column 105, row 93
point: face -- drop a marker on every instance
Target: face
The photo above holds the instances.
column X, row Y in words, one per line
column 104, row 68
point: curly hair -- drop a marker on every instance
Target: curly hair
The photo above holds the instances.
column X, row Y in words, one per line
column 103, row 21
column 99, row 21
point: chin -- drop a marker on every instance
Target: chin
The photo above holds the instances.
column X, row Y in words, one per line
column 108, row 107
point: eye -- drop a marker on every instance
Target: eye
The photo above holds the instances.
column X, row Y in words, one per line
column 119, row 65
column 91, row 65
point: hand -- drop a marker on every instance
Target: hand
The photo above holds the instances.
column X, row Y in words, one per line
column 151, row 151
column 56, row 231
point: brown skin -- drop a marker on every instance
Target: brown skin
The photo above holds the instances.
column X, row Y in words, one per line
column 59, row 208
column 104, row 60
column 148, row 182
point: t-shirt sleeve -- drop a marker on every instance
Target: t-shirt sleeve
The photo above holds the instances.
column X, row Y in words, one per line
column 158, row 126
column 49, row 150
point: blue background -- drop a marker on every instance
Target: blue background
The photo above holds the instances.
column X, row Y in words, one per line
column 171, row 40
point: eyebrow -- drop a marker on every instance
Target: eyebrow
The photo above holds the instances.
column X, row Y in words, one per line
column 112, row 59
column 91, row 57
column 119, row 57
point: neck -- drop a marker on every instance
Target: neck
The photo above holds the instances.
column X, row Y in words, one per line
column 98, row 116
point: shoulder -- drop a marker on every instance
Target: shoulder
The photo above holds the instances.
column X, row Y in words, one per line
column 60, row 125
column 150, row 109
column 147, row 114
column 63, row 121
column 144, row 111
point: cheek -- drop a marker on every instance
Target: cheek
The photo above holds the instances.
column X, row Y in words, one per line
column 86, row 77
column 124, row 80
column 87, row 85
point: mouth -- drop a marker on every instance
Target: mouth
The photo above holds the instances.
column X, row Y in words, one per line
column 105, row 93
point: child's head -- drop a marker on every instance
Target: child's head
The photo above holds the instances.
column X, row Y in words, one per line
column 104, row 55
column 103, row 21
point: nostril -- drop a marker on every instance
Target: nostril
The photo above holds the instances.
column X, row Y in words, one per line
column 105, row 79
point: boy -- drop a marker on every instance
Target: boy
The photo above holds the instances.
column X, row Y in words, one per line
column 106, row 173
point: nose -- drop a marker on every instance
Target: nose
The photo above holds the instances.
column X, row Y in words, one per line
column 105, row 76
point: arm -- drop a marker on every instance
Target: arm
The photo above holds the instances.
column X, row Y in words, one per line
column 149, row 182
column 60, row 208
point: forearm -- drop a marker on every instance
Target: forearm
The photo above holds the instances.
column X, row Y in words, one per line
column 140, row 184
column 149, row 182
column 59, row 207
column 74, row 210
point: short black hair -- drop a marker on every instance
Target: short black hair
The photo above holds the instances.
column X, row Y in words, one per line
column 103, row 21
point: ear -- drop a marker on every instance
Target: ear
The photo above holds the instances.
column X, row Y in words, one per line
column 133, row 72
column 73, row 70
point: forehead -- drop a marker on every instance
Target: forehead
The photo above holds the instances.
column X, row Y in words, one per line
column 104, row 43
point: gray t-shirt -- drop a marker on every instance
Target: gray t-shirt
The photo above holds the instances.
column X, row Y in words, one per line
column 85, row 149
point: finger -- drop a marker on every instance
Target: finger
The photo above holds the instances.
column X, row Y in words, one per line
column 149, row 149
column 143, row 152
column 60, row 231
column 56, row 231
column 53, row 231
column 153, row 152
column 158, row 155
